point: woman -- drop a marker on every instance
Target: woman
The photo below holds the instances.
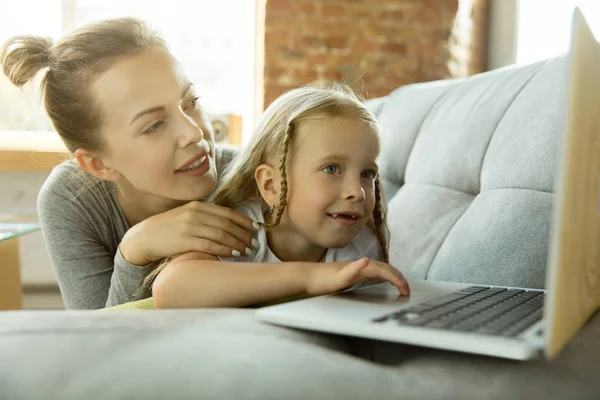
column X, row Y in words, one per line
column 144, row 158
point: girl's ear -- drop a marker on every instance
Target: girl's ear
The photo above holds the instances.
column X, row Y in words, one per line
column 269, row 183
column 92, row 163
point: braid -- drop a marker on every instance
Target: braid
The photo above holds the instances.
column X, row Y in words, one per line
column 283, row 196
column 379, row 222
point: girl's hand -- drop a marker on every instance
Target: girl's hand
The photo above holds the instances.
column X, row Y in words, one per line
column 196, row 226
column 332, row 277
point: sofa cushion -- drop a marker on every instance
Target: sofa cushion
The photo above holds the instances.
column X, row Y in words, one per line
column 228, row 354
column 177, row 354
column 468, row 171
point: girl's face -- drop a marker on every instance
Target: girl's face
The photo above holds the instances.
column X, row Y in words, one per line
column 331, row 180
column 156, row 134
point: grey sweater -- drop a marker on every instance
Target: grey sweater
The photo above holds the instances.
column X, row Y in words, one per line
column 82, row 224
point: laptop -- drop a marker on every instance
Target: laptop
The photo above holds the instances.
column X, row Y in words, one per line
column 507, row 322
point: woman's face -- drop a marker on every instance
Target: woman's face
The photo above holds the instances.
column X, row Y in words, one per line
column 156, row 134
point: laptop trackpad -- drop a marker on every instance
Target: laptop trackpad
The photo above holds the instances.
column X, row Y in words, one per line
column 386, row 293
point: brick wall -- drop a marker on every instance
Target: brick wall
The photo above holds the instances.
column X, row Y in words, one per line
column 377, row 45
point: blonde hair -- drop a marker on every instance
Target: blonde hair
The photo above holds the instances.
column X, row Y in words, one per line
column 271, row 142
column 71, row 65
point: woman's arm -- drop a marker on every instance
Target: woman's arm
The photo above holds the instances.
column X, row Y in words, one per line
column 196, row 280
column 99, row 261
column 89, row 275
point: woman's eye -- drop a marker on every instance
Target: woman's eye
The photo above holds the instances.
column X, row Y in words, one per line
column 369, row 175
column 154, row 127
column 194, row 103
column 330, row 169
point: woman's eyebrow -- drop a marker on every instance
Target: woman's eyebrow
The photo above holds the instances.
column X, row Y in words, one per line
column 152, row 110
column 187, row 88
column 147, row 111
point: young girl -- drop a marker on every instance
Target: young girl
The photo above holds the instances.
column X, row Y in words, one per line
column 310, row 177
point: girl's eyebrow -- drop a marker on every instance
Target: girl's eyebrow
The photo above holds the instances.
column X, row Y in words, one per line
column 340, row 157
column 333, row 156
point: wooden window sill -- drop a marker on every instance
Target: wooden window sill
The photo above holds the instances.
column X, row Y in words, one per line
column 31, row 151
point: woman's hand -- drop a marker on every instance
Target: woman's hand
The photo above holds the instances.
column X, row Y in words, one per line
column 327, row 278
column 196, row 226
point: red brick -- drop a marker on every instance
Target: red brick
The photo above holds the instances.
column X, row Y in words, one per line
column 276, row 40
column 336, row 42
column 279, row 5
column 394, row 16
column 333, row 10
column 330, row 59
column 281, row 23
column 274, row 91
column 394, row 47
column 317, row 59
column 361, row 46
column 273, row 73
column 309, row 42
column 363, row 10
column 304, row 76
column 305, row 7
column 322, row 27
column 333, row 75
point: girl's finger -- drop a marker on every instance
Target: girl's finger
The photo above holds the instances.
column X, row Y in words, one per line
column 350, row 272
column 392, row 276
column 404, row 287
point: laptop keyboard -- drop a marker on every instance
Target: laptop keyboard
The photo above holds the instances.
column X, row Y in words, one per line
column 477, row 309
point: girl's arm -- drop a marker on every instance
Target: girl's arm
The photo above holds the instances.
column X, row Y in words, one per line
column 196, row 280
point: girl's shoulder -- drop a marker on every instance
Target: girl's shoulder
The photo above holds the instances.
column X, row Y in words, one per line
column 364, row 244
column 224, row 155
column 253, row 210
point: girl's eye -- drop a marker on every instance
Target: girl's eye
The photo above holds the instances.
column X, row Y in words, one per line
column 330, row 169
column 370, row 175
column 153, row 128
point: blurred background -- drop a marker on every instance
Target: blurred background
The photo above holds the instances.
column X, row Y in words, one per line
column 242, row 54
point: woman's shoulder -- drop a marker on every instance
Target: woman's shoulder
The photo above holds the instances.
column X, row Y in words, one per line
column 69, row 185
column 73, row 206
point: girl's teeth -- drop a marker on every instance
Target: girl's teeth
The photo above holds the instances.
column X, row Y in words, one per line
column 344, row 216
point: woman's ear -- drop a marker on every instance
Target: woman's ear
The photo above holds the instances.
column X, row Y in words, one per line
column 269, row 183
column 91, row 162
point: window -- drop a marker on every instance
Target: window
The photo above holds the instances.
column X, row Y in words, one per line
column 213, row 40
column 544, row 27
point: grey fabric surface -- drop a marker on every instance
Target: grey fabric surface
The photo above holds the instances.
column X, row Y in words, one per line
column 82, row 225
column 227, row 354
column 202, row 354
column 468, row 171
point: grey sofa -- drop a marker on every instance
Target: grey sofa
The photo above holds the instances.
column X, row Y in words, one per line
column 469, row 171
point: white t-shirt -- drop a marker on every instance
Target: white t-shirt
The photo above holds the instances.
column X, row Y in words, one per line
column 364, row 244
